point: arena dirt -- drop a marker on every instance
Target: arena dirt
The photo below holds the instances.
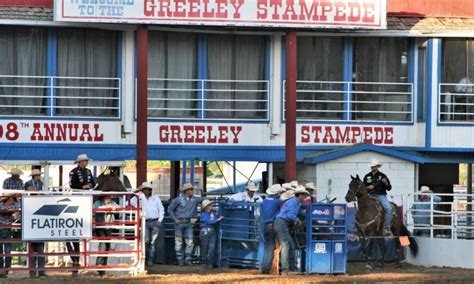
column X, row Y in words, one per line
column 173, row 274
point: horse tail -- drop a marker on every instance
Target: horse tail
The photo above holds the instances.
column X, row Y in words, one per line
column 413, row 244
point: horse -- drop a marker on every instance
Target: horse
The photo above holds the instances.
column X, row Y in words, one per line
column 369, row 224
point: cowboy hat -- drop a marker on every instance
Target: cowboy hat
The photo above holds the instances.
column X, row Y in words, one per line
column 287, row 195
column 205, row 204
column 294, row 184
column 145, row 185
column 274, row 189
column 82, row 157
column 302, row 190
column 187, row 186
column 310, row 185
column 425, row 189
column 35, row 172
column 375, row 163
column 15, row 172
column 286, row 186
column 251, row 187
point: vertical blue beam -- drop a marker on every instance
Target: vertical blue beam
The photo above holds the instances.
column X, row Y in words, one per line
column 52, row 70
column 119, row 70
column 191, row 172
column 429, row 91
column 201, row 75
column 421, row 85
column 411, row 73
column 347, row 77
column 234, row 174
column 183, row 172
column 268, row 46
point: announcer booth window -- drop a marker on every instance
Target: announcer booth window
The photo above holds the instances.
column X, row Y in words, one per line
column 172, row 70
column 457, row 89
column 22, row 71
column 320, row 86
column 87, row 83
column 381, row 90
column 236, row 86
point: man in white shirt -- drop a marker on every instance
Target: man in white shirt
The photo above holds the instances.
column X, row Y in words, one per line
column 249, row 195
column 154, row 214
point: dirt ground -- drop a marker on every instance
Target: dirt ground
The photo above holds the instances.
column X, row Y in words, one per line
column 173, row 274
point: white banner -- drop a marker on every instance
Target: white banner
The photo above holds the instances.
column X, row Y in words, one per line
column 370, row 14
column 65, row 217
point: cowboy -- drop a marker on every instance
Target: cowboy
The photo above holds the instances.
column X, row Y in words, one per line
column 14, row 182
column 284, row 222
column 81, row 177
column 378, row 184
column 154, row 213
column 421, row 210
column 8, row 203
column 249, row 195
column 287, row 186
column 183, row 211
column 209, row 219
column 35, row 182
column 104, row 219
column 311, row 188
column 294, row 184
column 268, row 212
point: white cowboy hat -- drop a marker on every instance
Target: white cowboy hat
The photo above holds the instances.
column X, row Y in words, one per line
column 205, row 204
column 301, row 189
column 287, row 195
column 310, row 185
column 145, row 185
column 15, row 172
column 286, row 186
column 425, row 189
column 274, row 189
column 294, row 184
column 374, row 163
column 251, row 187
column 187, row 186
column 35, row 172
column 82, row 157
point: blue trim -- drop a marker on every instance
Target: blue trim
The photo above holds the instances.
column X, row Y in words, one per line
column 191, row 172
column 411, row 74
column 119, row 70
column 268, row 62
column 183, row 172
column 347, row 75
column 429, row 92
column 52, row 68
column 421, row 85
column 346, row 151
column 201, row 72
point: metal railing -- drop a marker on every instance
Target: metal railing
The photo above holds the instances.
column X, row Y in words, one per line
column 354, row 101
column 456, row 103
column 60, row 96
column 208, row 99
column 452, row 217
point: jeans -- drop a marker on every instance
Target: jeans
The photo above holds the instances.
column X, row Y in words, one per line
column 269, row 237
column 208, row 245
column 73, row 247
column 37, row 261
column 102, row 260
column 5, row 248
column 287, row 245
column 151, row 235
column 186, row 231
column 387, row 207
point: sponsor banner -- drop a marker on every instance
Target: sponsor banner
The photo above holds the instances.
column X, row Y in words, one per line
column 252, row 13
column 59, row 218
column 25, row 131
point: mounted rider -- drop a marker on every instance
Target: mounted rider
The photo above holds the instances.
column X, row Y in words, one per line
column 378, row 184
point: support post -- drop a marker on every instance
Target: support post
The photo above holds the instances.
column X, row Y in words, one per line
column 142, row 103
column 204, row 176
column 469, row 201
column 290, row 106
column 174, row 178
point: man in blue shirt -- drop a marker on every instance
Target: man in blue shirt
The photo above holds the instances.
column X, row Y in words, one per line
column 14, row 182
column 422, row 209
column 183, row 211
column 35, row 182
column 268, row 212
column 284, row 221
column 209, row 220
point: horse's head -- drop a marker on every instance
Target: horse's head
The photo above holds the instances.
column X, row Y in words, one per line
column 356, row 189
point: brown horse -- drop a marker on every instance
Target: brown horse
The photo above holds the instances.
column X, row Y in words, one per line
column 369, row 224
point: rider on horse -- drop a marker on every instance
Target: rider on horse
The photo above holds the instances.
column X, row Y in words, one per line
column 378, row 184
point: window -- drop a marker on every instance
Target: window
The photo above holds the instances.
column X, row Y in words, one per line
column 380, row 90
column 89, row 58
column 457, row 89
column 236, row 70
column 24, row 53
column 172, row 66
column 320, row 92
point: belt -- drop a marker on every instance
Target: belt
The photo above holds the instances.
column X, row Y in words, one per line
column 151, row 219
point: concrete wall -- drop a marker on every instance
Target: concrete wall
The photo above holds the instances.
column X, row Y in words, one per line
column 333, row 177
column 444, row 252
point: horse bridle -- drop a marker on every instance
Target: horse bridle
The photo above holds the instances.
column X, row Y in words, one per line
column 356, row 198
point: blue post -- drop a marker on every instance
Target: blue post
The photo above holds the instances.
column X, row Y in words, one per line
column 52, row 70
column 183, row 172
column 191, row 172
column 234, row 174
column 347, row 77
column 202, row 75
